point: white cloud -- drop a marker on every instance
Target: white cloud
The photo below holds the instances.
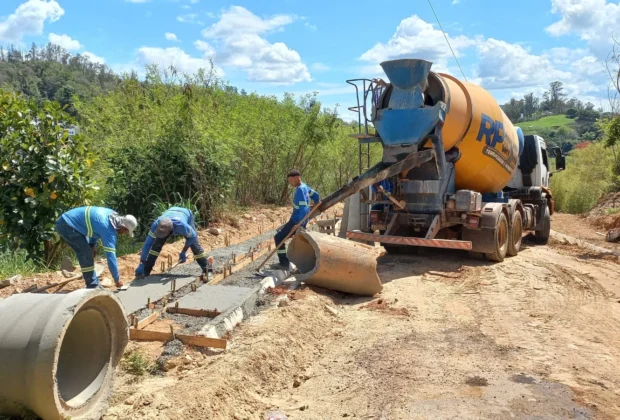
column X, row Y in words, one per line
column 310, row 26
column 171, row 36
column 503, row 65
column 238, row 42
column 29, row 19
column 239, row 20
column 594, row 21
column 190, row 18
column 205, row 47
column 175, row 57
column 94, row 57
column 65, row 41
column 415, row 37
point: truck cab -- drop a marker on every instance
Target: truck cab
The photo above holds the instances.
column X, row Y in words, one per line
column 534, row 169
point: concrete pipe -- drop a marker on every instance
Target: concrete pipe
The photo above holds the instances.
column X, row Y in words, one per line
column 335, row 263
column 58, row 353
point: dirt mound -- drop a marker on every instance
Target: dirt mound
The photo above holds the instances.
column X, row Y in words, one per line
column 606, row 213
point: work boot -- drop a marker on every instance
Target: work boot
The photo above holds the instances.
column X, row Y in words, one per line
column 280, row 266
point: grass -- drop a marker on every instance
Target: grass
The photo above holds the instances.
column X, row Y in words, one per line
column 13, row 263
column 552, row 121
column 136, row 364
column 615, row 210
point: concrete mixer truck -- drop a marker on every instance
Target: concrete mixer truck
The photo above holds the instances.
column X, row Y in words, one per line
column 460, row 174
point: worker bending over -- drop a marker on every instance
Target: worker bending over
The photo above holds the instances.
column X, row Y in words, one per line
column 174, row 221
column 82, row 227
column 301, row 207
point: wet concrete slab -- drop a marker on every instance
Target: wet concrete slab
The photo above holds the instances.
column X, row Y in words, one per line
column 215, row 298
column 153, row 287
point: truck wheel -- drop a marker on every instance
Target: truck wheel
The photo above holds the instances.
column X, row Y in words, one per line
column 542, row 236
column 501, row 233
column 516, row 235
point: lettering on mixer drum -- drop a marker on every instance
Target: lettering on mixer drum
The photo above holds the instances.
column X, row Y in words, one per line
column 493, row 133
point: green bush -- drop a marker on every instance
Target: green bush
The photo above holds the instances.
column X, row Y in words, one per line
column 136, row 363
column 43, row 172
column 587, row 177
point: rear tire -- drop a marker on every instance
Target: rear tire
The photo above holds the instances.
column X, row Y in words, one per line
column 516, row 235
column 541, row 237
column 501, row 234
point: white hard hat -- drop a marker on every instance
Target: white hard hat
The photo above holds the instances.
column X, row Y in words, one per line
column 130, row 223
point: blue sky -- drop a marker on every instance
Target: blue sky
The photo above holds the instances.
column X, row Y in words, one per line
column 510, row 48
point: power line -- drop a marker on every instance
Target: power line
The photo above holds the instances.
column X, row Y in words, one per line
column 448, row 41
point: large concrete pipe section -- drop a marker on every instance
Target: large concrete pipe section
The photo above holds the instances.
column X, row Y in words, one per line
column 58, row 353
column 335, row 263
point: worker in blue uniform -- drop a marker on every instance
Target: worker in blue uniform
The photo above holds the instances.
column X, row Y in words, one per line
column 388, row 186
column 82, row 227
column 174, row 221
column 301, row 207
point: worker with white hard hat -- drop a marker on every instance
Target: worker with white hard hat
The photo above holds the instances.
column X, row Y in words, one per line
column 82, row 227
column 174, row 221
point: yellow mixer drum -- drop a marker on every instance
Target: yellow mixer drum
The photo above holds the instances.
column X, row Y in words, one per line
column 480, row 129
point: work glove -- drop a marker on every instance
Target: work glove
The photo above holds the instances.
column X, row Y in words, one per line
column 140, row 270
column 182, row 257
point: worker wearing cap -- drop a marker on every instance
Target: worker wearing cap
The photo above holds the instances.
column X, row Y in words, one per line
column 301, row 207
column 82, row 227
column 174, row 221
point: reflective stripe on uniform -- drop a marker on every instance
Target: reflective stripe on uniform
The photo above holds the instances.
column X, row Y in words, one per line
column 152, row 235
column 108, row 249
column 281, row 251
column 204, row 254
column 153, row 253
column 88, row 269
column 89, row 226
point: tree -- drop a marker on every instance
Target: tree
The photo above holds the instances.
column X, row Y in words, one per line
column 530, row 105
column 556, row 97
column 43, row 172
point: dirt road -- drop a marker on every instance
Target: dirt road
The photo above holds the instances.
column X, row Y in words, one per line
column 537, row 336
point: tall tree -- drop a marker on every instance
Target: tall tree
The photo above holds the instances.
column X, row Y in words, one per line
column 530, row 105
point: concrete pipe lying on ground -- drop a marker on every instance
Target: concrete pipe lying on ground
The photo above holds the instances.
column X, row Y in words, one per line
column 335, row 263
column 58, row 353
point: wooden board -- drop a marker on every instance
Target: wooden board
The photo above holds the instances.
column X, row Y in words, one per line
column 193, row 312
column 148, row 320
column 192, row 340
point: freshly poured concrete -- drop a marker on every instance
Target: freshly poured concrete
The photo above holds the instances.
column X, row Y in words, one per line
column 154, row 287
column 215, row 298
column 58, row 352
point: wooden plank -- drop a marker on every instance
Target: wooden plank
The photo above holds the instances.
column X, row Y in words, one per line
column 200, row 341
column 193, row 312
column 191, row 340
column 146, row 335
column 148, row 320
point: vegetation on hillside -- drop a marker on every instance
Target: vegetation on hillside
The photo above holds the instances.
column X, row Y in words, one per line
column 51, row 73
column 594, row 169
column 560, row 121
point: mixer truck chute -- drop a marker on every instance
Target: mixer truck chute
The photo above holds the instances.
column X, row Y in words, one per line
column 462, row 175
